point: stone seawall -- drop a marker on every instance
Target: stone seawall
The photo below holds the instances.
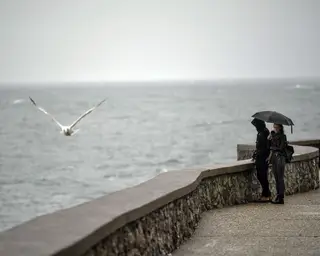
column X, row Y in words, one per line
column 245, row 151
column 298, row 174
column 155, row 217
column 165, row 229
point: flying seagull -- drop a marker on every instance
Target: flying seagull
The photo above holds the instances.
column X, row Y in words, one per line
column 67, row 130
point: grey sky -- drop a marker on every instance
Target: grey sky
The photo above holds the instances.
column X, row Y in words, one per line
column 66, row 40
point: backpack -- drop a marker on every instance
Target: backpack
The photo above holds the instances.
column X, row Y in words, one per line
column 289, row 153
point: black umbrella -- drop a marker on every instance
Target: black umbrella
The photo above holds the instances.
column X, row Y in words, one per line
column 273, row 117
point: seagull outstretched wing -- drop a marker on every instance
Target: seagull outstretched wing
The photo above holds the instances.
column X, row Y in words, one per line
column 86, row 113
column 44, row 111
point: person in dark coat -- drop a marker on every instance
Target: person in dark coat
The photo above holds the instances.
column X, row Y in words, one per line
column 277, row 157
column 260, row 157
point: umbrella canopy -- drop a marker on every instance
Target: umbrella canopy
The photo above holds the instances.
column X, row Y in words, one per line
column 273, row 117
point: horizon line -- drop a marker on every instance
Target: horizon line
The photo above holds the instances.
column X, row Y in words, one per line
column 104, row 82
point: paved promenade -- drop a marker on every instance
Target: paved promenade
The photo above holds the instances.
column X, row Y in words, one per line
column 259, row 229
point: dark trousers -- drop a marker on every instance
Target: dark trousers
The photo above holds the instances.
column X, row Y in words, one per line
column 262, row 175
column 278, row 165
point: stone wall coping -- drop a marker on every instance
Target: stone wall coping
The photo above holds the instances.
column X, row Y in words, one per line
column 301, row 152
column 305, row 142
column 293, row 142
column 74, row 230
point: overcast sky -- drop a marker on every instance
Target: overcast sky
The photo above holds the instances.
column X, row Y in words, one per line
column 75, row 40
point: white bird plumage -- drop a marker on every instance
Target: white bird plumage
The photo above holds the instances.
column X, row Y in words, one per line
column 67, row 130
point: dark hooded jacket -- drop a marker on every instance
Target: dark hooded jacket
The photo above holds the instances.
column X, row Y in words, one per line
column 262, row 142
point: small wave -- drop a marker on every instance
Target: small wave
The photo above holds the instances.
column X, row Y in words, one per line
column 227, row 121
column 170, row 161
column 161, row 170
column 302, row 87
column 102, row 166
column 119, row 175
column 203, row 124
column 110, row 177
column 234, row 121
column 18, row 101
column 120, row 117
column 221, row 122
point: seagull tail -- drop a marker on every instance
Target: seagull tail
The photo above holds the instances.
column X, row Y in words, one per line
column 75, row 131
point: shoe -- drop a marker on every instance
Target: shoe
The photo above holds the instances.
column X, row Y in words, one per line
column 263, row 199
column 278, row 201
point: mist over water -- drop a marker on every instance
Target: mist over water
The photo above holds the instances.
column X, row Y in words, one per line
column 139, row 132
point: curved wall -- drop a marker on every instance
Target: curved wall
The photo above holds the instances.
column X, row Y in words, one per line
column 298, row 177
column 155, row 217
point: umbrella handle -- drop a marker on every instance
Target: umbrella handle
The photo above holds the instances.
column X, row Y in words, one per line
column 291, row 129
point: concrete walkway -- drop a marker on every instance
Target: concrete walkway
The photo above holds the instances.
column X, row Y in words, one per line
column 259, row 229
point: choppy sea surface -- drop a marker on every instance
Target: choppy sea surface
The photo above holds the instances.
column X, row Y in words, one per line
column 139, row 132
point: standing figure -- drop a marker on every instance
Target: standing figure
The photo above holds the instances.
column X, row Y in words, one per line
column 260, row 157
column 277, row 157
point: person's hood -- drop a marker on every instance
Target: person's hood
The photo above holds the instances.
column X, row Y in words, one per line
column 259, row 124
